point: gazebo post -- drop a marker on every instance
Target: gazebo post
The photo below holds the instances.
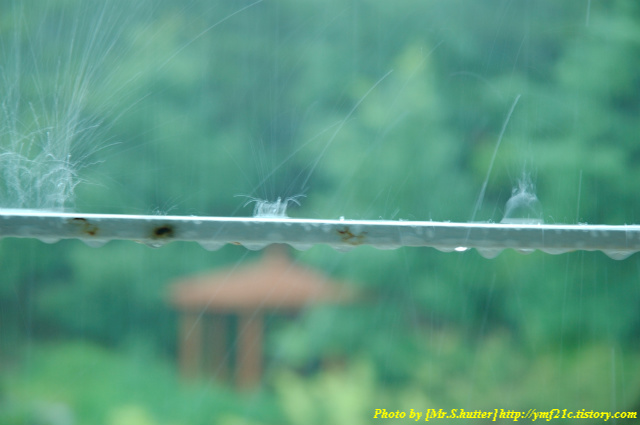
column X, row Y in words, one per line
column 249, row 350
column 218, row 329
column 190, row 344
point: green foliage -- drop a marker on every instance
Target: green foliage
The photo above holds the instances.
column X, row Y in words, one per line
column 92, row 385
column 132, row 387
column 452, row 370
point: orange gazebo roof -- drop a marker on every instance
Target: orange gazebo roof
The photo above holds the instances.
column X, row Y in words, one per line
column 273, row 283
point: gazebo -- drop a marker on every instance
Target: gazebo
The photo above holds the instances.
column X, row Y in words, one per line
column 208, row 304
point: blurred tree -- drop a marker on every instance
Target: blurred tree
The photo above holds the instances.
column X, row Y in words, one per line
column 199, row 102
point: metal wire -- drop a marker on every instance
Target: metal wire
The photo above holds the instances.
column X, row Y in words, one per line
column 255, row 233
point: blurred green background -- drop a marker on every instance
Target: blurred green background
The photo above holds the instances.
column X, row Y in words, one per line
column 174, row 107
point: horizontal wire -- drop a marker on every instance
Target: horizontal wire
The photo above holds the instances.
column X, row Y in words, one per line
column 489, row 239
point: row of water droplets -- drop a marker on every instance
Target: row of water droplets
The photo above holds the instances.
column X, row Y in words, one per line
column 343, row 235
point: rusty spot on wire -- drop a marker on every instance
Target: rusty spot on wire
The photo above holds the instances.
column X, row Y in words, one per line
column 352, row 239
column 85, row 226
column 163, row 232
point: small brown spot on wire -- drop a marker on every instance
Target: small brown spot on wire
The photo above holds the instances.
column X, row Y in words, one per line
column 85, row 226
column 163, row 232
column 348, row 237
